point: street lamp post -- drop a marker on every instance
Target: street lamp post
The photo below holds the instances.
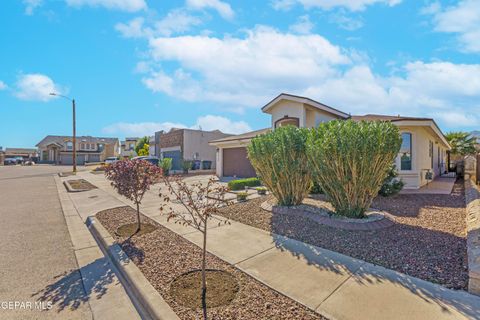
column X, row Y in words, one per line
column 74, row 130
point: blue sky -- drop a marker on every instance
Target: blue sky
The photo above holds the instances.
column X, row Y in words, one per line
column 137, row 66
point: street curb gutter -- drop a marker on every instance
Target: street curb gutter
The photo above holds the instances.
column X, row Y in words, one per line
column 137, row 285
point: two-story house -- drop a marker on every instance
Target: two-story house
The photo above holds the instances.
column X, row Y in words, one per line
column 424, row 148
column 59, row 149
column 127, row 147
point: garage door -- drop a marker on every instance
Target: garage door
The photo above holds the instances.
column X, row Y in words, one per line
column 176, row 157
column 66, row 159
column 236, row 163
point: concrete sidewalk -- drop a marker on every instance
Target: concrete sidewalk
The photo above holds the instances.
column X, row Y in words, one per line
column 333, row 284
column 104, row 292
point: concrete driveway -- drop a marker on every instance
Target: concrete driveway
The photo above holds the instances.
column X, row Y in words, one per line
column 37, row 261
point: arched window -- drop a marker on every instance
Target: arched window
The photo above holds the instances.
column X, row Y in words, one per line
column 406, row 152
column 287, row 121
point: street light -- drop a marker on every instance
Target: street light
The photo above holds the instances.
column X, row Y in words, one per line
column 74, row 134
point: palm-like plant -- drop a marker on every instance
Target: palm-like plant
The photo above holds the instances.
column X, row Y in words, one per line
column 462, row 143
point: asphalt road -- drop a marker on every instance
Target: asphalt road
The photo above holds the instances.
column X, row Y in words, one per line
column 37, row 262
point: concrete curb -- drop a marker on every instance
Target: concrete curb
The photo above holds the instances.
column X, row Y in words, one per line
column 472, row 202
column 137, row 286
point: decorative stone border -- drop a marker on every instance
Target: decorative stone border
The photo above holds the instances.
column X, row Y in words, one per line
column 137, row 286
column 472, row 203
column 375, row 219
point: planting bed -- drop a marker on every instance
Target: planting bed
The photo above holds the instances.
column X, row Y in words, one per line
column 163, row 256
column 427, row 241
column 80, row 185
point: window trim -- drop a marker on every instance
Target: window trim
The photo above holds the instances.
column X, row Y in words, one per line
column 411, row 154
column 297, row 121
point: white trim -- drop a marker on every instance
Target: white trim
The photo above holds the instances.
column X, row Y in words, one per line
column 306, row 101
column 176, row 148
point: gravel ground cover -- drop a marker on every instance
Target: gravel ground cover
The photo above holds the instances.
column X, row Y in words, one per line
column 162, row 256
column 428, row 240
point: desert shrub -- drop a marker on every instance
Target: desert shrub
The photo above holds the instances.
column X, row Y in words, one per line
column 186, row 165
column 242, row 196
column 261, row 190
column 350, row 160
column 166, row 165
column 391, row 184
column 240, row 184
column 279, row 158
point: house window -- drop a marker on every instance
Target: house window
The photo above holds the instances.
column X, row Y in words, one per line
column 92, row 146
column 82, row 146
column 287, row 121
column 69, row 145
column 406, row 152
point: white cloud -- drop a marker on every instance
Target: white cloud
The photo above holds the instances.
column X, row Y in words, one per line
column 223, row 8
column 352, row 5
column 122, row 5
column 36, row 87
column 176, row 21
column 454, row 118
column 302, row 26
column 245, row 70
column 208, row 123
column 3, row 85
column 344, row 21
column 462, row 19
column 31, row 5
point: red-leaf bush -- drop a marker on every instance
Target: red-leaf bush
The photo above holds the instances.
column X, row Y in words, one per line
column 132, row 178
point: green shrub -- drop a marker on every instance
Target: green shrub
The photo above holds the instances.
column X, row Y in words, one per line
column 166, row 165
column 240, row 184
column 316, row 188
column 279, row 158
column 350, row 160
column 261, row 190
column 186, row 165
column 242, row 196
column 391, row 184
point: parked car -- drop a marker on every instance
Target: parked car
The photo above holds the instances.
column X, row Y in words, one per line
column 19, row 160
column 10, row 161
column 110, row 160
column 152, row 160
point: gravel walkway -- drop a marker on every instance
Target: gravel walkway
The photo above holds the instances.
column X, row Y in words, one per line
column 428, row 241
column 163, row 255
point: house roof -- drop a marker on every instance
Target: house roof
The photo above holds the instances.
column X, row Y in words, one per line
column 305, row 100
column 373, row 117
column 243, row 136
column 61, row 139
column 20, row 150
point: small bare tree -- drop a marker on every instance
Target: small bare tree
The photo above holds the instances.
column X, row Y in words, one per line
column 200, row 201
column 131, row 179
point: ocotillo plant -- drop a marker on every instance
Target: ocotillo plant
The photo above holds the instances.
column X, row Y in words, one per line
column 280, row 160
column 350, row 160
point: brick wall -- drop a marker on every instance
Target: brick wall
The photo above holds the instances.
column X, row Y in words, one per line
column 172, row 139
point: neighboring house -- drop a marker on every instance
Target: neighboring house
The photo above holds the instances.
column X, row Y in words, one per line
column 127, row 147
column 25, row 153
column 151, row 146
column 424, row 146
column 2, row 156
column 187, row 144
column 59, row 149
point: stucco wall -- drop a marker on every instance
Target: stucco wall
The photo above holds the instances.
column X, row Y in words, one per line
column 197, row 142
column 421, row 157
column 289, row 109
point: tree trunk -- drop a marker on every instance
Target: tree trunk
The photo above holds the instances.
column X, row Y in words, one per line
column 138, row 217
column 204, row 280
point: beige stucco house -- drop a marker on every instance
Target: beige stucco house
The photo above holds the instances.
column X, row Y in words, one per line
column 59, row 149
column 424, row 148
